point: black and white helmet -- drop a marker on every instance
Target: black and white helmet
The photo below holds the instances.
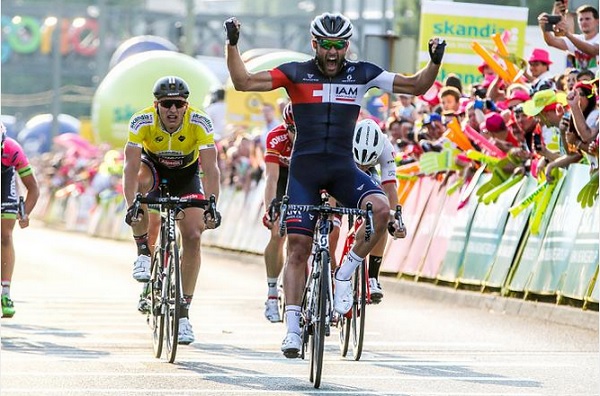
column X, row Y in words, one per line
column 368, row 142
column 170, row 86
column 328, row 25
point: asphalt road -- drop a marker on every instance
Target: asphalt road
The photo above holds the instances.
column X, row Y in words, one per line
column 77, row 332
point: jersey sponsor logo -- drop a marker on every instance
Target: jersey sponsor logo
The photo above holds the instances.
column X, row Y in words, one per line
column 181, row 138
column 159, row 139
column 278, row 139
column 139, row 121
column 348, row 78
column 202, row 120
column 360, row 188
column 345, row 93
column 351, row 69
column 310, row 77
column 171, row 162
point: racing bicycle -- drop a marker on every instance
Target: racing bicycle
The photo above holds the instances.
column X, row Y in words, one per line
column 165, row 288
column 317, row 313
column 352, row 324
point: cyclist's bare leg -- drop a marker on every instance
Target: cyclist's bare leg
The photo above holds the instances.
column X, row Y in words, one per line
column 361, row 248
column 8, row 249
column 191, row 227
column 274, row 253
column 299, row 248
column 145, row 181
column 153, row 229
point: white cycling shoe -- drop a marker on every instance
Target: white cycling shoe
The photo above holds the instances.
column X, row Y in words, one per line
column 141, row 268
column 272, row 310
column 342, row 297
column 186, row 333
column 376, row 291
column 291, row 345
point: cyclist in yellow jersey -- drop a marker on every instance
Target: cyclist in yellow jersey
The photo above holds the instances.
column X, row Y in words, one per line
column 165, row 142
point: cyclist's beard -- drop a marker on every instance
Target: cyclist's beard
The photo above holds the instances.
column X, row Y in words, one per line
column 326, row 66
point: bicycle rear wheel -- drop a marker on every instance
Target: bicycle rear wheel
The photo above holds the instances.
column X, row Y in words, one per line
column 345, row 323
column 320, row 323
column 358, row 310
column 156, row 319
column 172, row 301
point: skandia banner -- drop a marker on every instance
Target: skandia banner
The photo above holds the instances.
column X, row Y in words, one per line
column 462, row 24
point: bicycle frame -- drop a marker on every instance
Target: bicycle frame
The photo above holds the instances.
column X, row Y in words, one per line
column 317, row 298
column 165, row 282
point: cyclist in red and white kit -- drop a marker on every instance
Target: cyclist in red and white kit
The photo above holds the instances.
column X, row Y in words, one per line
column 279, row 143
column 14, row 162
column 326, row 93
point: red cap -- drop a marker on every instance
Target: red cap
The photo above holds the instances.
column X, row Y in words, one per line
column 494, row 122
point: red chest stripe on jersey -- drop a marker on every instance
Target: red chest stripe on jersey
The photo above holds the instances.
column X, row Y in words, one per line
column 299, row 92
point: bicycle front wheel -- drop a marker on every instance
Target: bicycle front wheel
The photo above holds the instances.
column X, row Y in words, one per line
column 358, row 310
column 173, row 301
column 320, row 323
column 157, row 319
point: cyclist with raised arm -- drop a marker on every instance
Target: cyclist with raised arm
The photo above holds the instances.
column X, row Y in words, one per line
column 14, row 162
column 279, row 143
column 165, row 142
column 326, row 93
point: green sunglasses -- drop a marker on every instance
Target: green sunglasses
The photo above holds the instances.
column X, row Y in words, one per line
column 328, row 44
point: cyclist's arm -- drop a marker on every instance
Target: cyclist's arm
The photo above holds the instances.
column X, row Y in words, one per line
column 33, row 192
column 133, row 160
column 242, row 79
column 418, row 83
column 212, row 175
column 271, row 178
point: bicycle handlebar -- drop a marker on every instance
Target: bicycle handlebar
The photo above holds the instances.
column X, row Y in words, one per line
column 325, row 209
column 210, row 205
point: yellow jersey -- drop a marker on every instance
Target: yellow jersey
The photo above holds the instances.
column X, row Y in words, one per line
column 172, row 150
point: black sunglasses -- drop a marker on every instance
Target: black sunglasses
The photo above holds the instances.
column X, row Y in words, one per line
column 168, row 103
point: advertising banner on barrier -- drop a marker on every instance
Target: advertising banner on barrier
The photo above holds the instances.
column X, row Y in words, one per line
column 527, row 262
column 396, row 250
column 486, row 232
column 584, row 257
column 461, row 24
column 422, row 239
column 441, row 236
column 509, row 244
column 452, row 265
column 560, row 234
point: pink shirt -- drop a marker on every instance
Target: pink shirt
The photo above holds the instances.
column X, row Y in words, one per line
column 14, row 156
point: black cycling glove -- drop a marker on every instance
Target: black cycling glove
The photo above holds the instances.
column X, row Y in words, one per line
column 232, row 30
column 437, row 55
column 217, row 218
column 129, row 215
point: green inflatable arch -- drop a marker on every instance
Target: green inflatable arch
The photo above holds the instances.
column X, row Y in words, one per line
column 127, row 88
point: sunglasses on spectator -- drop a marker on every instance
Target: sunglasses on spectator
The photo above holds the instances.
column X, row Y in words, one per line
column 328, row 44
column 168, row 103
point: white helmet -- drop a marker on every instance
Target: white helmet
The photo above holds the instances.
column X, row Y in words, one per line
column 333, row 26
column 368, row 142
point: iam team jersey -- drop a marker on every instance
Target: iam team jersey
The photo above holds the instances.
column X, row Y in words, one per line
column 278, row 146
column 171, row 150
column 326, row 109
